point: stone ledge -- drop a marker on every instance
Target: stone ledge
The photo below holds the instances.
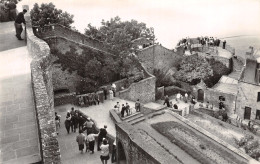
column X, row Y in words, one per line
column 43, row 97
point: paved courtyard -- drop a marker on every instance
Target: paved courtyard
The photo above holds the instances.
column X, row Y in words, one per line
column 18, row 128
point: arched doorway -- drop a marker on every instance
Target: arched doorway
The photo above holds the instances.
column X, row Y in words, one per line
column 121, row 157
column 200, row 95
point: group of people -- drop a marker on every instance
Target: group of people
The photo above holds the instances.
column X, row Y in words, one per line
column 86, row 138
column 126, row 108
column 177, row 98
column 89, row 99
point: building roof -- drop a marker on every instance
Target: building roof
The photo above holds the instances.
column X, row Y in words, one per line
column 249, row 72
column 227, row 85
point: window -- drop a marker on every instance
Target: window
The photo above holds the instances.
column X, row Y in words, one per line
column 258, row 96
column 257, row 117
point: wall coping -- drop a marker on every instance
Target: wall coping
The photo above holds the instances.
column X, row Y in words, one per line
column 49, row 146
column 218, row 140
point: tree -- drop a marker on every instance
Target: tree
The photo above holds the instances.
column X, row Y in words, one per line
column 118, row 34
column 9, row 1
column 193, row 69
column 49, row 14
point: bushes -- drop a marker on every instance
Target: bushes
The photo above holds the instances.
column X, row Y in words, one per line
column 162, row 79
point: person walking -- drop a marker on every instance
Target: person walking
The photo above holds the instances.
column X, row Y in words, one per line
column 137, row 106
column 81, row 138
column 166, row 101
column 81, row 122
column 104, row 151
column 68, row 122
column 111, row 94
column 96, row 97
column 89, row 125
column 113, row 87
column 18, row 24
column 113, row 159
column 117, row 106
column 91, row 140
column 57, row 122
column 102, row 134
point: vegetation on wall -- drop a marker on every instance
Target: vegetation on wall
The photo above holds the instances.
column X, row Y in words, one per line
column 47, row 13
column 194, row 68
column 10, row 1
column 162, row 79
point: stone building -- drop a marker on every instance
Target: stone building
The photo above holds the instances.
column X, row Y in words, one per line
column 248, row 97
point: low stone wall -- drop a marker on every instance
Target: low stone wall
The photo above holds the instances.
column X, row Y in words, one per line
column 69, row 98
column 43, row 97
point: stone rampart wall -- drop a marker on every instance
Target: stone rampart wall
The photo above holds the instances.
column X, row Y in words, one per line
column 43, row 97
column 62, row 31
column 143, row 90
column 134, row 152
column 158, row 57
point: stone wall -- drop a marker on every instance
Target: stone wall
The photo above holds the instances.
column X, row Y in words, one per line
column 43, row 96
column 69, row 98
column 136, row 148
column 225, row 61
column 247, row 97
column 158, row 57
column 212, row 96
column 63, row 79
column 62, row 31
column 143, row 90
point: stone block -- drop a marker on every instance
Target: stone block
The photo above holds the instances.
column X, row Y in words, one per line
column 9, row 139
column 20, row 144
column 6, row 156
column 11, row 118
column 27, row 151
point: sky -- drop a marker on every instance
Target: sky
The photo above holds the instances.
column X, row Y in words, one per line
column 171, row 19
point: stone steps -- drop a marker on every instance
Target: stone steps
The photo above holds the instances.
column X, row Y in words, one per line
column 135, row 121
column 135, row 117
column 130, row 116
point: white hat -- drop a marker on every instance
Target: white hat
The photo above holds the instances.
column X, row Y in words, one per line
column 88, row 119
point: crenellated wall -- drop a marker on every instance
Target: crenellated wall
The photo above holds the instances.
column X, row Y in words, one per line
column 41, row 69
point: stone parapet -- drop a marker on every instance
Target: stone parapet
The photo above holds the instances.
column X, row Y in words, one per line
column 41, row 68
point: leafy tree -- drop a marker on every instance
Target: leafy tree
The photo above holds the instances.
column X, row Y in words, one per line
column 10, row 1
column 49, row 14
column 118, row 34
column 193, row 69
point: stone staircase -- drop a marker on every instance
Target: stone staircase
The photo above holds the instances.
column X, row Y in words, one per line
column 237, row 68
column 134, row 118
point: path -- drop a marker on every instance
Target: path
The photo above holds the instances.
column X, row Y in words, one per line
column 99, row 113
column 19, row 141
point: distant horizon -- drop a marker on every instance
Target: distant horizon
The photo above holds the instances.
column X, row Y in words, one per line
column 172, row 20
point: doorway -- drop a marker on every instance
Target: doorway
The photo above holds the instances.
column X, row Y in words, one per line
column 247, row 113
column 200, row 95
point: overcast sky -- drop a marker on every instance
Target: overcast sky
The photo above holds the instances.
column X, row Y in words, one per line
column 171, row 19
